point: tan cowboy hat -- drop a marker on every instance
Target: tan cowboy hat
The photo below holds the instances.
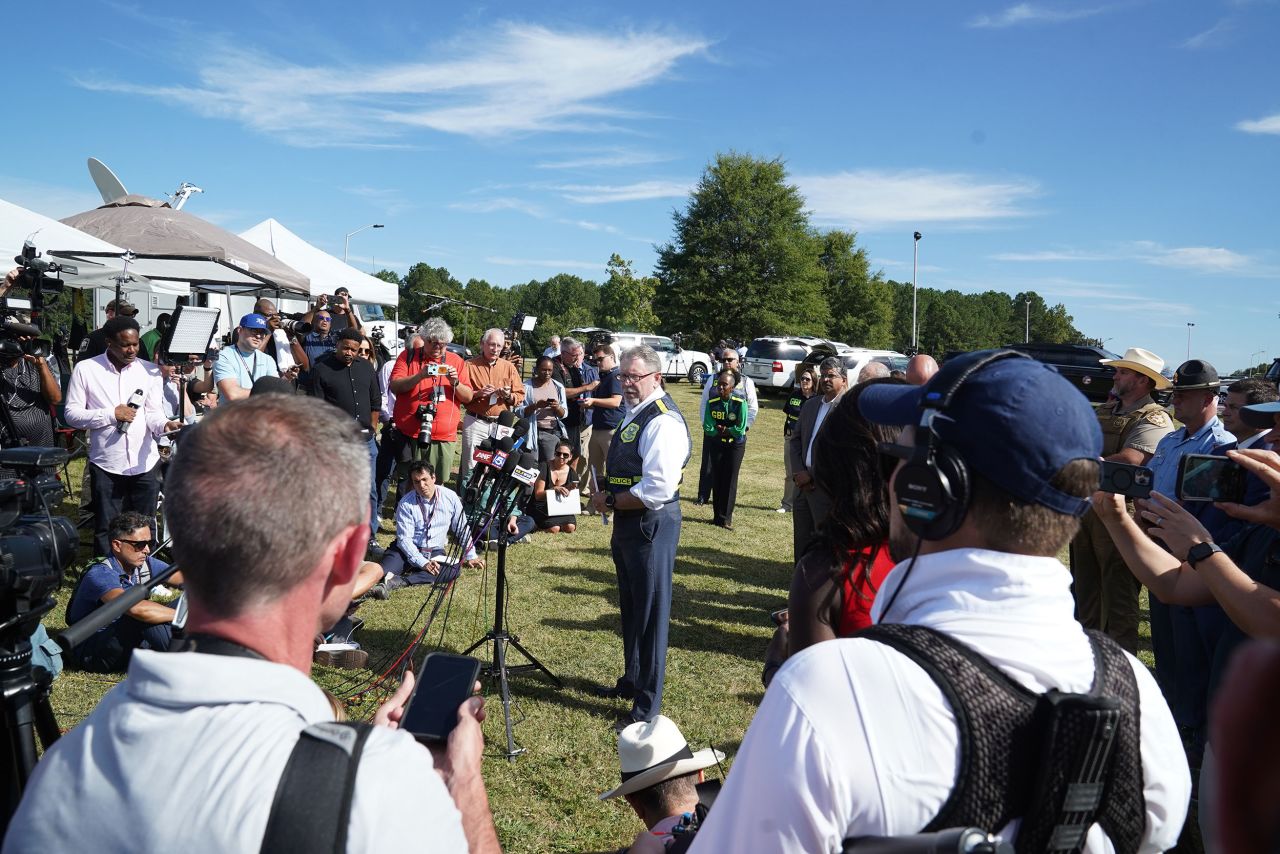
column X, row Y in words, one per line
column 1144, row 362
column 653, row 751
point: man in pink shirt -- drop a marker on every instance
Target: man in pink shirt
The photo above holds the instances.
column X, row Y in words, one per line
column 118, row 398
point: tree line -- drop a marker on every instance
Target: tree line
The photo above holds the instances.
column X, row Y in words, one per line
column 744, row 261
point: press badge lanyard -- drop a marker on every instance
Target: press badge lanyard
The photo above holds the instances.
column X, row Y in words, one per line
column 246, row 364
column 422, row 508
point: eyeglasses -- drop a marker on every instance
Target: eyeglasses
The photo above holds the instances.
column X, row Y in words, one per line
column 564, row 456
column 631, row 379
column 137, row 544
column 323, row 318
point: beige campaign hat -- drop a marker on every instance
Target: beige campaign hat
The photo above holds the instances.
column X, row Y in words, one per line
column 1144, row 362
column 653, row 751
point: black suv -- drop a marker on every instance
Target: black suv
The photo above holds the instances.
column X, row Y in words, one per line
column 1079, row 363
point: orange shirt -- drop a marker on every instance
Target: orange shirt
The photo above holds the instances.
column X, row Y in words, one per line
column 405, row 413
column 502, row 373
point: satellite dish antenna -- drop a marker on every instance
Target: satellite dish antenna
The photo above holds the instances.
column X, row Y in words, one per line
column 107, row 182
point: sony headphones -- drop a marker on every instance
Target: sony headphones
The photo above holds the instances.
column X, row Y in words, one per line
column 933, row 487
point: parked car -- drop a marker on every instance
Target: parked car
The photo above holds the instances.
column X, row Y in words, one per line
column 771, row 361
column 854, row 358
column 1079, row 363
column 677, row 362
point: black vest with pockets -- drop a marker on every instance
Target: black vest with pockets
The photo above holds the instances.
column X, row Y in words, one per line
column 1000, row 771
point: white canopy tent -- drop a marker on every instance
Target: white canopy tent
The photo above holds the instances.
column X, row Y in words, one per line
column 62, row 243
column 325, row 271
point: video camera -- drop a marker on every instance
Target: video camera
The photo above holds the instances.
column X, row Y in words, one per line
column 16, row 342
column 38, row 274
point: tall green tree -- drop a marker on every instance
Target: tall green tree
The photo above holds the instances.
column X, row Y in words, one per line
column 743, row 262
column 626, row 300
column 861, row 303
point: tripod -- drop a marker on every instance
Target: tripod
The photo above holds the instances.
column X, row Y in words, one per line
column 501, row 638
column 26, row 709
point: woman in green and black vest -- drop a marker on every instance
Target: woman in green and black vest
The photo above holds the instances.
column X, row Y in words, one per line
column 803, row 388
column 725, row 431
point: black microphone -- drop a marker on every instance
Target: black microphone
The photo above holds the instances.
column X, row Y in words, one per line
column 477, row 469
column 487, row 468
column 505, row 425
column 135, row 401
column 523, row 426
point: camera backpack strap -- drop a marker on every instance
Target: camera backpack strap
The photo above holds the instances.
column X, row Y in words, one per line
column 1060, row 762
column 312, row 807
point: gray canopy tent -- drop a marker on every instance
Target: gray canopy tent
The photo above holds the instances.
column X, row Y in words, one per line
column 170, row 245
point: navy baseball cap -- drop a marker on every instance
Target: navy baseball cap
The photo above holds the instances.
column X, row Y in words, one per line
column 1260, row 414
column 253, row 321
column 1015, row 421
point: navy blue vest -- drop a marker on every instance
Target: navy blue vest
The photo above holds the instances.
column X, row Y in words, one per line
column 624, row 465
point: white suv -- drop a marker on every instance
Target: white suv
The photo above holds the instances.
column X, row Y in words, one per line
column 677, row 363
column 771, row 361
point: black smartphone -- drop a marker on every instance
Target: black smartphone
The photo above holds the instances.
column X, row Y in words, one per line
column 777, row 615
column 444, row 682
column 1126, row 479
column 1202, row 477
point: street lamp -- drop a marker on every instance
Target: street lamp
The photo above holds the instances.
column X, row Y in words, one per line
column 1189, row 325
column 915, row 326
column 1026, row 338
column 346, row 240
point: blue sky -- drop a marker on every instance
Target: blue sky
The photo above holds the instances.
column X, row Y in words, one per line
column 1119, row 157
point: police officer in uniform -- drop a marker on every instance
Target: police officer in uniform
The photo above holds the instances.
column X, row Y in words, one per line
column 649, row 450
column 1132, row 425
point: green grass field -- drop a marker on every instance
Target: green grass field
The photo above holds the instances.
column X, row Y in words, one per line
column 563, row 607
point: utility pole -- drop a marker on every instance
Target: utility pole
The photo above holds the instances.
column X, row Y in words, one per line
column 1189, row 325
column 1026, row 338
column 915, row 324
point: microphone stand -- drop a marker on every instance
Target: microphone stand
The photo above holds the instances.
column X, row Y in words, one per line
column 498, row 635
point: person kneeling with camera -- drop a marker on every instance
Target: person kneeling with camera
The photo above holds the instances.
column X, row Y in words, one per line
column 188, row 752
column 424, row 518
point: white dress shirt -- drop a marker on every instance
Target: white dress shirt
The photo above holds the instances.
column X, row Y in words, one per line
column 664, row 447
column 824, row 409
column 853, row 738
column 97, row 387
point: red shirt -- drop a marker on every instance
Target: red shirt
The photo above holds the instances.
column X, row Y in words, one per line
column 860, row 587
column 405, row 413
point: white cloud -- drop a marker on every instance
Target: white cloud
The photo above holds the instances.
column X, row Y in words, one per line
column 534, row 262
column 1197, row 259
column 602, row 193
column 1030, row 13
column 1215, row 36
column 1200, row 259
column 51, row 200
column 505, row 203
column 389, row 201
column 606, row 160
column 1266, row 124
column 870, row 199
column 516, row 79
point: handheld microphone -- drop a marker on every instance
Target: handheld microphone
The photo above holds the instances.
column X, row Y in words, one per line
column 481, row 457
column 488, row 463
column 135, row 401
column 505, row 426
column 521, row 435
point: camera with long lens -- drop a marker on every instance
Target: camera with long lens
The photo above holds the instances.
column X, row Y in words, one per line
column 294, row 324
column 426, row 414
column 16, row 343
column 376, row 334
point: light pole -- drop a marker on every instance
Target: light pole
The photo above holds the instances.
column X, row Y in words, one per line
column 1189, row 325
column 915, row 326
column 1253, row 357
column 347, row 240
column 1026, row 337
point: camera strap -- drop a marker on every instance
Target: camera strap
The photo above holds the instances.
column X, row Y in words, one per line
column 312, row 806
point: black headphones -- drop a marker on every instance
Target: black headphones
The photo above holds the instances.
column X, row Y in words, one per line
column 933, row 487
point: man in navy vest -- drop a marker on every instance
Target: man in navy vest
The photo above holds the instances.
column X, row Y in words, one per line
column 650, row 449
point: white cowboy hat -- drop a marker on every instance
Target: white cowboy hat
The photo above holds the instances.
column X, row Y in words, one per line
column 653, row 751
column 1144, row 362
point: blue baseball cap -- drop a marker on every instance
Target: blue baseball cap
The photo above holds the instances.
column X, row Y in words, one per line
column 253, row 321
column 1015, row 421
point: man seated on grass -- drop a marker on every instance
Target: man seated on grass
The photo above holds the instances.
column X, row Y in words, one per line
column 660, row 775
column 148, row 624
column 424, row 519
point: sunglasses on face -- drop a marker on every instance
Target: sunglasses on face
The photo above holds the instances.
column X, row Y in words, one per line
column 365, row 351
column 137, row 544
column 564, row 456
